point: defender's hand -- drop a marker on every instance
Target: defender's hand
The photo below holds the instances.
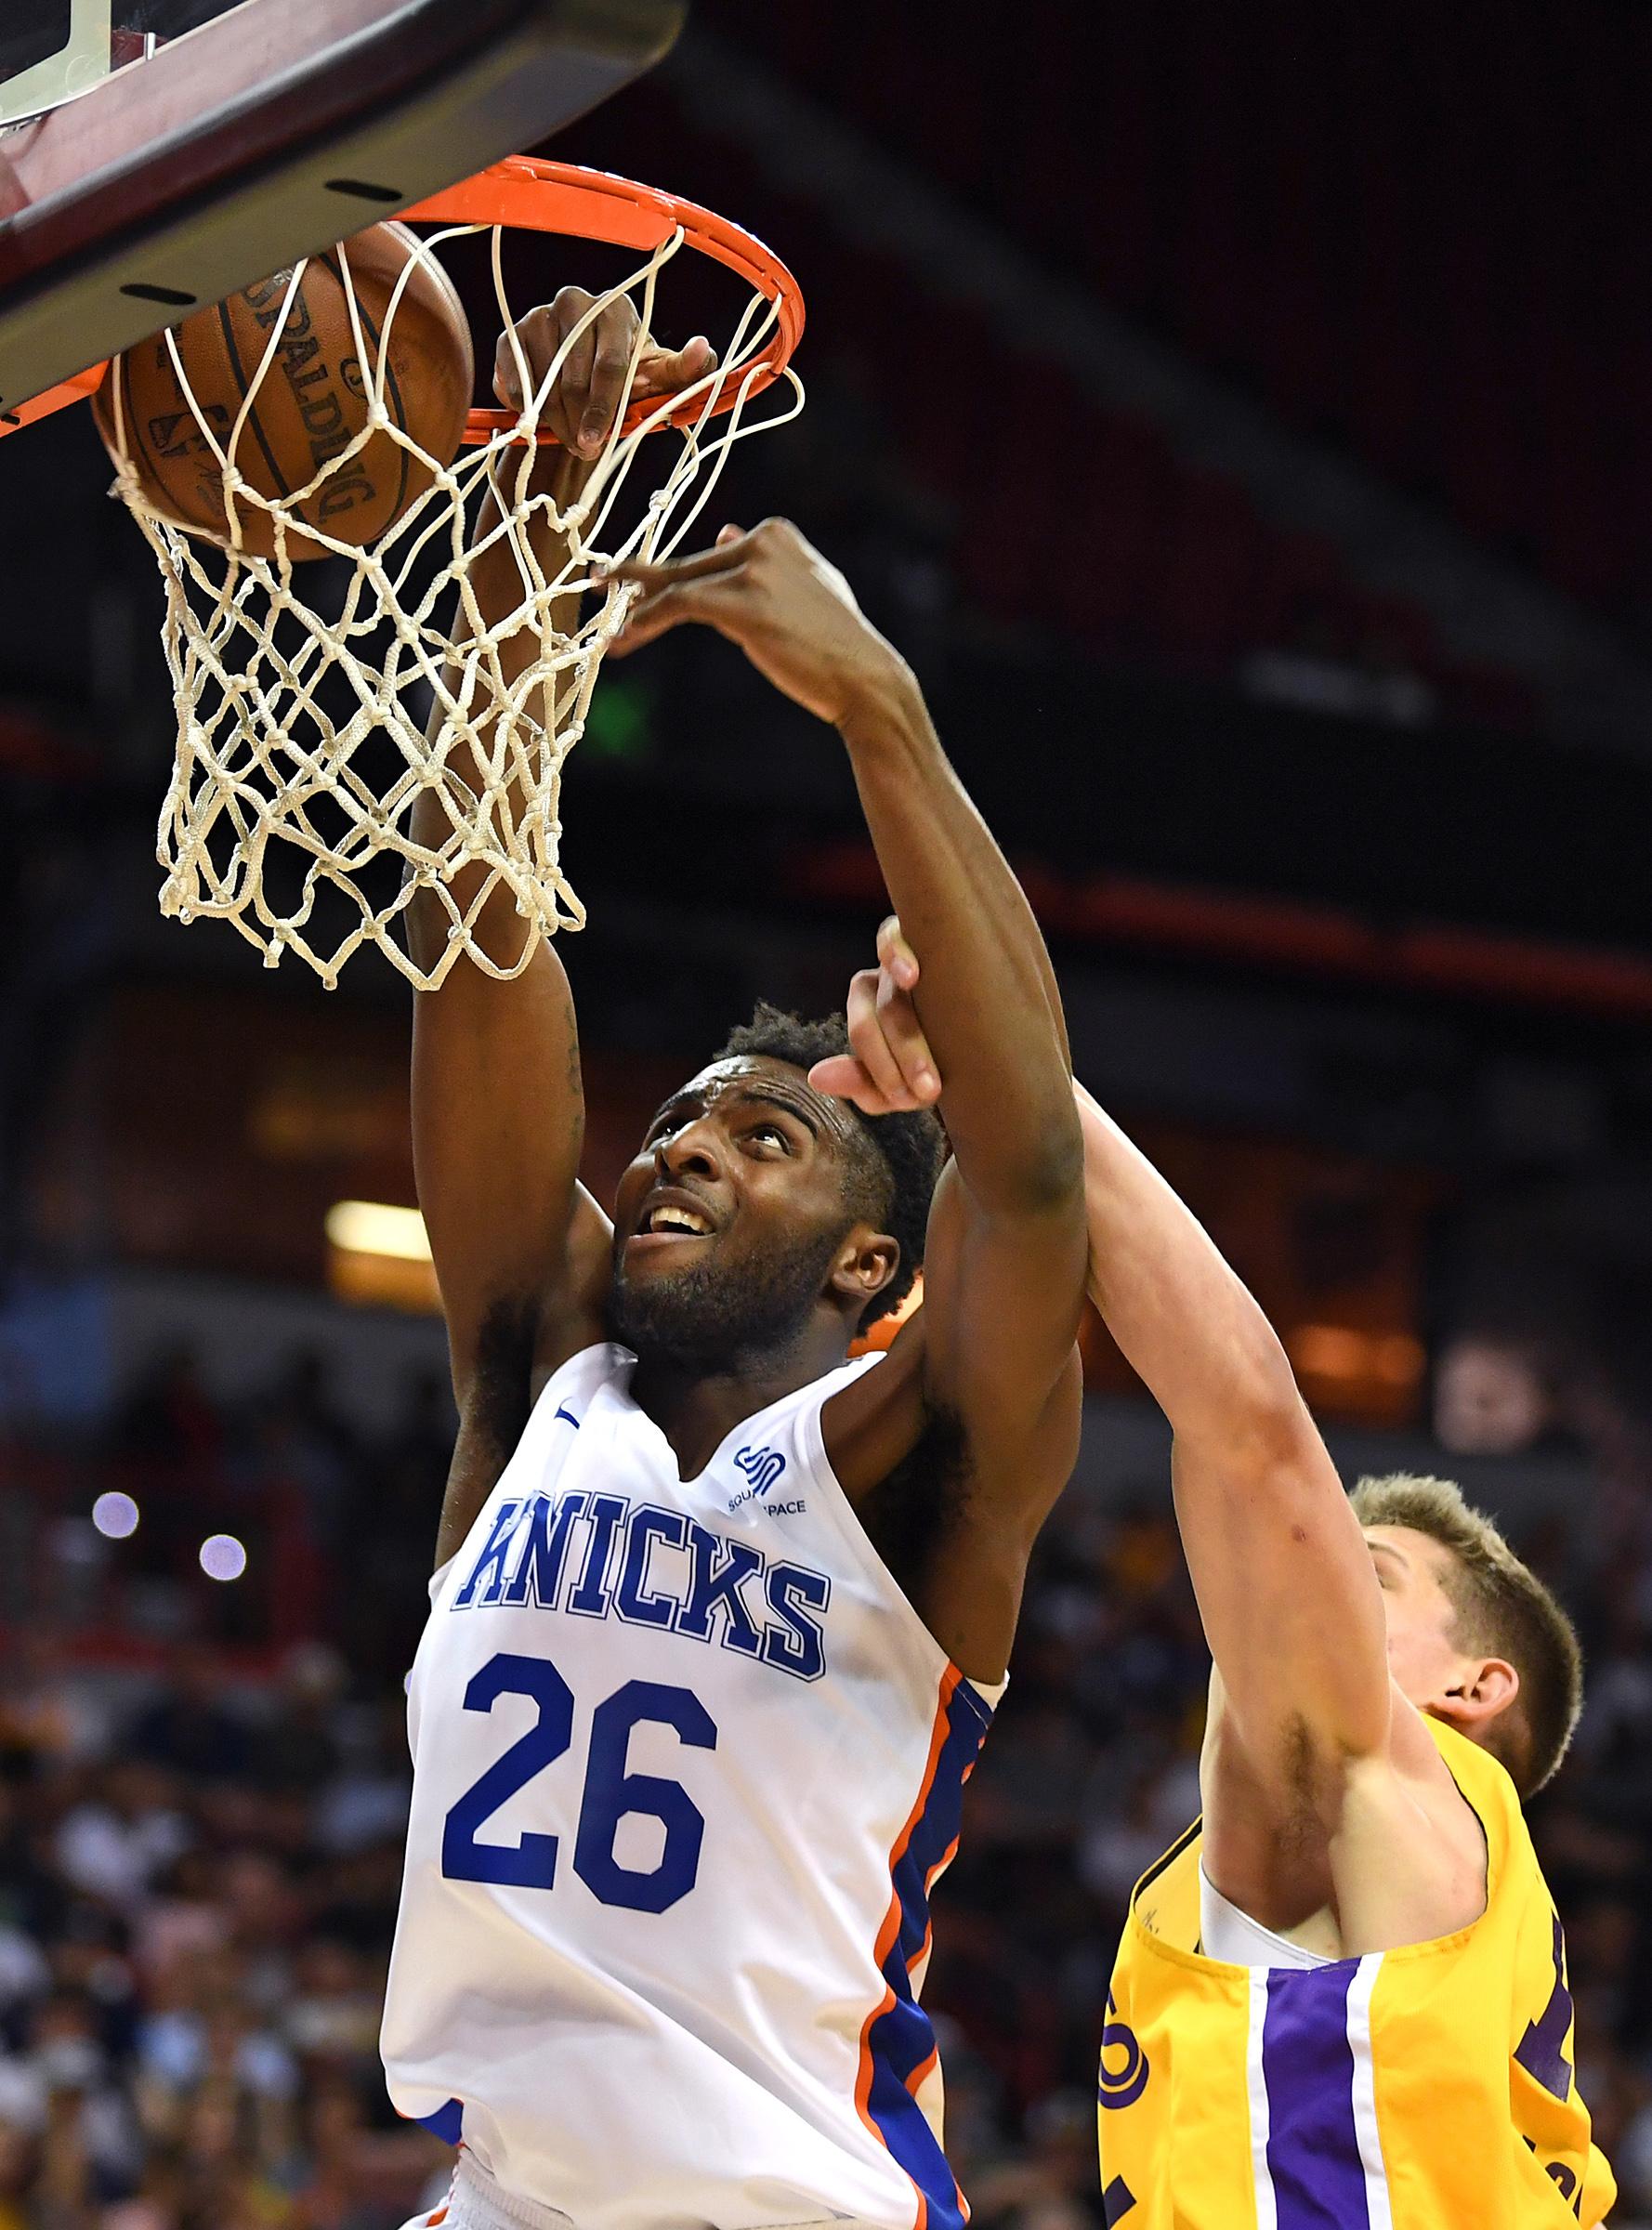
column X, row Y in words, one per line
column 793, row 614
column 591, row 391
column 891, row 1069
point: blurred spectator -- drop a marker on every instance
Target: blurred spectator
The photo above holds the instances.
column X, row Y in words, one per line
column 44, row 1713
column 23, row 2119
column 1490, row 1397
column 169, row 1419
column 111, row 1845
column 187, row 1729
column 297, row 1746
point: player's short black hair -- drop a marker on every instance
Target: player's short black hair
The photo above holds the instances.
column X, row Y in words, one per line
column 898, row 1173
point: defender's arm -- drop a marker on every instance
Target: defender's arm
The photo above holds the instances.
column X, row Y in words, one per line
column 1307, row 1723
column 1289, row 1600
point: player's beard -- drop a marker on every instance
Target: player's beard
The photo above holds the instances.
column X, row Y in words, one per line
column 710, row 1315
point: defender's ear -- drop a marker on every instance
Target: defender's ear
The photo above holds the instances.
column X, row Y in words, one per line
column 1483, row 1692
column 864, row 1264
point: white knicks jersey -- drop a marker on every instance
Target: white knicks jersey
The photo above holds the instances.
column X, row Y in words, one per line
column 686, row 1763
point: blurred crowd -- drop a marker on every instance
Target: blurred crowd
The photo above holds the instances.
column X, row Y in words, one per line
column 201, row 1809
column 198, row 1881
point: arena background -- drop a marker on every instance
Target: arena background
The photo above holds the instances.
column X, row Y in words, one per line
column 1239, row 416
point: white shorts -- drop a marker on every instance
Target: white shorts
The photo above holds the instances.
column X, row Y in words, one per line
column 476, row 2203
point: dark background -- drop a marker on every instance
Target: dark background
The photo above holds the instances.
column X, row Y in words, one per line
column 1239, row 420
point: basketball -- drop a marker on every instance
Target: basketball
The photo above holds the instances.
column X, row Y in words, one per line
column 310, row 403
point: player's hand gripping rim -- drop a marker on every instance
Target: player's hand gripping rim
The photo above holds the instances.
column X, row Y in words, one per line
column 890, row 1069
column 591, row 390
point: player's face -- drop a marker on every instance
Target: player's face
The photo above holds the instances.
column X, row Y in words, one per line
column 729, row 1223
column 1411, row 1569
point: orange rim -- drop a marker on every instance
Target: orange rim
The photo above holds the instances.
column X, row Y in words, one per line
column 78, row 389
column 535, row 196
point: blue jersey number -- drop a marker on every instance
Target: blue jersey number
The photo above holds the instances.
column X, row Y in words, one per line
column 533, row 1864
column 611, row 1792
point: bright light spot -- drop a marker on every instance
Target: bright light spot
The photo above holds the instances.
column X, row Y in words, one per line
column 115, row 1516
column 372, row 1228
column 222, row 1557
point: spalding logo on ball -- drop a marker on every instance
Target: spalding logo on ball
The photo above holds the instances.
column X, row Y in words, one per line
column 311, row 402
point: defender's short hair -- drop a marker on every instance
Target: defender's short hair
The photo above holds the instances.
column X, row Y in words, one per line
column 1502, row 1608
column 904, row 1153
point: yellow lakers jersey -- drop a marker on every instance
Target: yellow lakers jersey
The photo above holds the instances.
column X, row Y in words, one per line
column 1428, row 2088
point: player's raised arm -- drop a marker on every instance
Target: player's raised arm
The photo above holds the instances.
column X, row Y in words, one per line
column 1003, row 1276
column 1285, row 1581
column 1286, row 1589
column 521, row 1251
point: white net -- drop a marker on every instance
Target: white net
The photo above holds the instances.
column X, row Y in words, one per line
column 306, row 737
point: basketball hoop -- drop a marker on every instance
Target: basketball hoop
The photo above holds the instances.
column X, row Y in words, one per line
column 305, row 738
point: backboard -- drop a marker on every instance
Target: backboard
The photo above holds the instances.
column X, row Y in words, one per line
column 158, row 155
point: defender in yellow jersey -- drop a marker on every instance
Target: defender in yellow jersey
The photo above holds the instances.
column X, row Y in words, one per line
column 1340, row 2002
column 1425, row 2088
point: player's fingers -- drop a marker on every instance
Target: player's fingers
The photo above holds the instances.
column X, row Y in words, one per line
column 666, row 371
column 671, row 606
column 862, row 997
column 870, row 1040
column 909, row 1048
column 507, row 385
column 730, row 551
column 841, row 1077
column 895, row 954
column 527, row 352
column 565, row 411
column 524, row 351
column 614, row 343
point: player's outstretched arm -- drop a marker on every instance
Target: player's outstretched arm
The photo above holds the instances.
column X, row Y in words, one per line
column 1004, row 1279
column 521, row 1251
column 1286, row 1587
column 1288, row 1594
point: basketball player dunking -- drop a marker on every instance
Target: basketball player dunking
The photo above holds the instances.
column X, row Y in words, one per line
column 719, row 1618
column 1340, row 2002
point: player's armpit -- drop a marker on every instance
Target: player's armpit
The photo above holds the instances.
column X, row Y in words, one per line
column 970, row 1594
column 516, row 1346
column 991, row 1355
column 498, row 1122
column 1002, row 1294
